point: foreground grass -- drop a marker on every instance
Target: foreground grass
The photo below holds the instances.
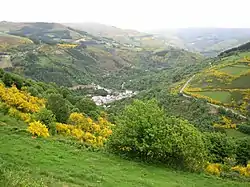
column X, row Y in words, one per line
column 46, row 162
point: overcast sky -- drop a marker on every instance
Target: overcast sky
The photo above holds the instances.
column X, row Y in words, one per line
column 133, row 14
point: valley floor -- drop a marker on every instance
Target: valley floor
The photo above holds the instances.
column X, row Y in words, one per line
column 49, row 162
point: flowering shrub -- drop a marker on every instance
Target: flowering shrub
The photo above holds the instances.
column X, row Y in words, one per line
column 21, row 100
column 38, row 129
column 79, row 120
column 67, row 45
column 26, row 117
column 226, row 124
column 85, row 129
column 214, row 169
column 244, row 171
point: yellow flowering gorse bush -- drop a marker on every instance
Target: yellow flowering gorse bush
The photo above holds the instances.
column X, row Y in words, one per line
column 26, row 117
column 244, row 171
column 85, row 129
column 38, row 129
column 214, row 169
column 21, row 100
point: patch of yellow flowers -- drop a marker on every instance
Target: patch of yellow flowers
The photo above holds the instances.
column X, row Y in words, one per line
column 244, row 171
column 38, row 129
column 85, row 129
column 216, row 169
column 226, row 124
column 21, row 100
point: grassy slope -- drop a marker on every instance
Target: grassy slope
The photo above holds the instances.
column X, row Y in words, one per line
column 235, row 70
column 222, row 96
column 45, row 161
column 13, row 40
column 241, row 82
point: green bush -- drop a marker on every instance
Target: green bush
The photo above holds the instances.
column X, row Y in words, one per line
column 145, row 132
column 220, row 146
column 58, row 105
column 45, row 116
column 243, row 151
column 33, row 91
column 244, row 128
column 4, row 108
column 88, row 107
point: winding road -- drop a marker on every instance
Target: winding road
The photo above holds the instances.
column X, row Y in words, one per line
column 214, row 105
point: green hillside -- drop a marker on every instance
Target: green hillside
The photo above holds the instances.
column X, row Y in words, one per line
column 70, row 57
column 124, row 36
column 49, row 162
column 54, row 134
column 226, row 82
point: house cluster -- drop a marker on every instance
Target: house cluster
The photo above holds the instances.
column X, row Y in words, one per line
column 102, row 100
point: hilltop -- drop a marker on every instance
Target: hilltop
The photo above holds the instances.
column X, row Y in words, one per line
column 207, row 41
column 124, row 36
column 67, row 56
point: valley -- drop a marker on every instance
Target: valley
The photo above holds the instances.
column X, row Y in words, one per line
column 88, row 104
column 107, row 95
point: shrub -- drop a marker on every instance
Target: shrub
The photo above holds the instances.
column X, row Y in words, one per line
column 38, row 129
column 243, row 151
column 26, row 117
column 214, row 169
column 88, row 107
column 79, row 120
column 85, row 129
column 4, row 108
column 45, row 116
column 145, row 132
column 57, row 104
column 244, row 128
column 219, row 146
column 244, row 171
column 21, row 100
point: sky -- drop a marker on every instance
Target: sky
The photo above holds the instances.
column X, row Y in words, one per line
column 131, row 14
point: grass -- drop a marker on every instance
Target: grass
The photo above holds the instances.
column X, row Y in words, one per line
column 235, row 133
column 242, row 82
column 222, row 96
column 210, row 82
column 46, row 162
column 235, row 70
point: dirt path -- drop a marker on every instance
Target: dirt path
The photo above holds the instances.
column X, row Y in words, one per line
column 214, row 105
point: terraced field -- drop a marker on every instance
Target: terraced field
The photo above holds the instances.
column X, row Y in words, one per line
column 6, row 39
column 226, row 83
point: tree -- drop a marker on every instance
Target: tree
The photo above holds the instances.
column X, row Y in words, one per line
column 7, row 79
column 10, row 79
column 57, row 104
column 1, row 73
column 88, row 107
column 220, row 146
column 45, row 116
column 144, row 131
column 243, row 151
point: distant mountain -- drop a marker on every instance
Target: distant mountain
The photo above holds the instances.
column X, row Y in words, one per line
column 68, row 56
column 208, row 41
column 127, row 36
